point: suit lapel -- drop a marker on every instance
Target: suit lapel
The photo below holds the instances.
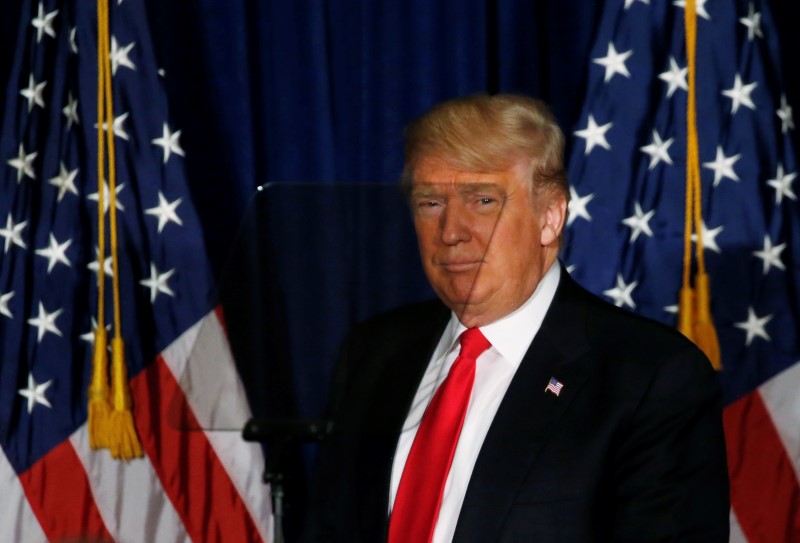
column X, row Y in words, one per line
column 527, row 416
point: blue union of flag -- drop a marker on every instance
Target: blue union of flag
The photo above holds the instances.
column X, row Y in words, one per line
column 625, row 235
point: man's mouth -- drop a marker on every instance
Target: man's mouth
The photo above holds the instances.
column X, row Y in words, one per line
column 460, row 265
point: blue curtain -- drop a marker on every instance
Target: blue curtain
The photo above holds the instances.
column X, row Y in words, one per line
column 320, row 91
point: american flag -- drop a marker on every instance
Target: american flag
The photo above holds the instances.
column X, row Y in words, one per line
column 554, row 386
column 625, row 235
column 200, row 485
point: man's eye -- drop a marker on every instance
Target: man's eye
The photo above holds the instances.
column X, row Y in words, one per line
column 485, row 201
column 429, row 203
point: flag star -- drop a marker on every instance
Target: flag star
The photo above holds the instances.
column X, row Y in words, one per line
column 71, row 111
column 658, row 150
column 577, row 206
column 709, row 237
column 782, row 185
column 594, row 135
column 675, row 77
column 13, row 233
column 33, row 93
column 673, row 309
column 158, row 282
column 700, row 8
column 94, row 265
column 169, row 142
column 629, row 3
column 73, row 44
column 23, row 163
column 65, row 181
column 88, row 337
column 753, row 23
column 107, row 197
column 116, row 124
column 740, row 94
column 771, row 255
column 36, row 393
column 614, row 62
column 621, row 293
column 785, row 115
column 43, row 22
column 754, row 326
column 119, row 56
column 639, row 222
column 165, row 211
column 55, row 252
column 45, row 322
column 4, row 298
column 723, row 166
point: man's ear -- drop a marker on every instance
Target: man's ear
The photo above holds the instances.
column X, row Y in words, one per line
column 554, row 216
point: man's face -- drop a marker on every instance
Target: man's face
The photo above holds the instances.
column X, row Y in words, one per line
column 484, row 242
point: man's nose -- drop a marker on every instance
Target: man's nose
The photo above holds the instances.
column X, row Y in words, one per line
column 454, row 225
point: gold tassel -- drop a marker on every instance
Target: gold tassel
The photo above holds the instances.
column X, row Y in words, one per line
column 125, row 443
column 694, row 314
column 705, row 335
column 99, row 408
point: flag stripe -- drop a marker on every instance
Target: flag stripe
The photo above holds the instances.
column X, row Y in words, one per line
column 189, row 469
column 737, row 536
column 218, row 311
column 61, row 498
column 217, row 400
column 244, row 464
column 142, row 512
column 759, row 467
column 783, row 403
column 17, row 521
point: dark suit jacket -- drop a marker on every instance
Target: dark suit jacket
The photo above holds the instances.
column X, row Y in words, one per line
column 631, row 450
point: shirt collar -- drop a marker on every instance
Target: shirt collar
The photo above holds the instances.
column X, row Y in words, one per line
column 511, row 335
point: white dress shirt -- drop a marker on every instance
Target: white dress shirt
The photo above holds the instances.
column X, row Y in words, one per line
column 510, row 338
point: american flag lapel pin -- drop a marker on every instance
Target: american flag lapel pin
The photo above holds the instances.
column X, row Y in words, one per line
column 554, row 386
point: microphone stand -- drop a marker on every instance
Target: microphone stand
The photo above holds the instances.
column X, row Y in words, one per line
column 278, row 434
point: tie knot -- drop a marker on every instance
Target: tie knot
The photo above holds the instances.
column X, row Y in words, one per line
column 473, row 343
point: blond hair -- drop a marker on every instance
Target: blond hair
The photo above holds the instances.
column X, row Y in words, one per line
column 483, row 133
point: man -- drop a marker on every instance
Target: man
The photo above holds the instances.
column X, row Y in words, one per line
column 524, row 408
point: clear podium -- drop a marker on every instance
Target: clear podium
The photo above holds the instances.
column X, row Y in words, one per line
column 309, row 261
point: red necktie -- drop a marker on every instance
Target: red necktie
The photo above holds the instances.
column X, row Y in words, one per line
column 419, row 496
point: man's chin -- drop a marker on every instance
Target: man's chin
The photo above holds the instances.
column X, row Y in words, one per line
column 461, row 305
column 475, row 308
